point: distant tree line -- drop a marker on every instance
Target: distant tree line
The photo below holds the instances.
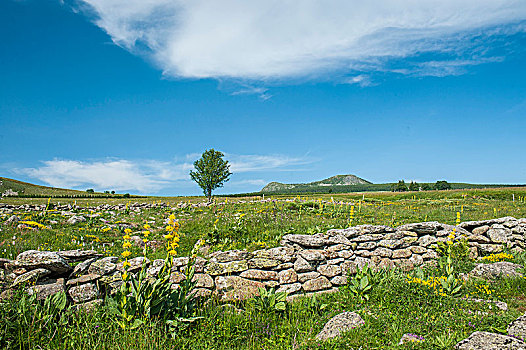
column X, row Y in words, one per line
column 401, row 186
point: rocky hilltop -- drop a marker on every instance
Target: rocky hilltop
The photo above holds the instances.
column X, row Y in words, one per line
column 338, row 180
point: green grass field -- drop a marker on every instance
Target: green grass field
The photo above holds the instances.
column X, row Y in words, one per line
column 394, row 306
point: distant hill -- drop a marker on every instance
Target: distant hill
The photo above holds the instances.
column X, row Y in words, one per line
column 15, row 188
column 10, row 187
column 326, row 184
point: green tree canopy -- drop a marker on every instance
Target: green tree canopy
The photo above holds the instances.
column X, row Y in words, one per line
column 413, row 186
column 442, row 185
column 211, row 171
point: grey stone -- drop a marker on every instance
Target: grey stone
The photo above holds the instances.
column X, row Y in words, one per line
column 203, row 281
column 155, row 267
column 236, row 288
column 76, row 219
column 501, row 268
column 499, row 234
column 319, row 283
column 410, row 338
column 517, row 328
column 312, row 255
column 304, row 277
column 263, row 263
column 383, row 252
column 339, row 280
column 33, row 259
column 288, row 276
column 339, row 324
column 82, row 267
column 366, row 245
column 228, row 256
column 260, row 275
column 401, row 253
column 490, row 341
column 104, row 266
column 289, row 288
column 31, row 276
column 303, row 240
column 480, row 230
column 329, row 270
column 302, row 265
column 83, row 279
column 216, row 269
column 83, row 292
column 78, row 255
column 348, row 267
column 45, row 289
column 426, row 240
column 390, row 243
column 136, row 264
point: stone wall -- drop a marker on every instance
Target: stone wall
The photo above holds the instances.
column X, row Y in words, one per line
column 303, row 264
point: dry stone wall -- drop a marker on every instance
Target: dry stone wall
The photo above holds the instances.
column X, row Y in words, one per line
column 303, row 264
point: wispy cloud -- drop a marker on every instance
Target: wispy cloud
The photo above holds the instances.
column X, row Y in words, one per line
column 276, row 40
column 146, row 176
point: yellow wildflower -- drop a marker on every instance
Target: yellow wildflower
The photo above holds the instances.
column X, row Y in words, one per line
column 127, row 231
column 126, row 253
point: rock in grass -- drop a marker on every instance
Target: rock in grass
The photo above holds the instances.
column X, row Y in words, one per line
column 339, row 324
column 411, row 338
column 501, row 268
column 517, row 328
column 490, row 341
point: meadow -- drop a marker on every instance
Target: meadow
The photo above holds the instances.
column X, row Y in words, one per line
column 395, row 304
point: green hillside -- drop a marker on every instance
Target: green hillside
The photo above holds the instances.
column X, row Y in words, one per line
column 27, row 189
column 331, row 182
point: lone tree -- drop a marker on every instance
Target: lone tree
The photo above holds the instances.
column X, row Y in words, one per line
column 211, row 171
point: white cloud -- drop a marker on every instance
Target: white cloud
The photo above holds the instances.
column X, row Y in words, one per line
column 252, row 163
column 145, row 176
column 276, row 39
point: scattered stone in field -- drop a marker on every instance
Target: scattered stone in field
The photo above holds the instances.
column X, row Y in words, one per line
column 517, row 328
column 104, row 266
column 31, row 276
column 339, row 324
column 33, row 259
column 78, row 255
column 12, row 220
column 76, row 219
column 410, row 338
column 501, row 268
column 83, row 292
column 490, row 341
column 137, row 241
column 498, row 304
column 45, row 289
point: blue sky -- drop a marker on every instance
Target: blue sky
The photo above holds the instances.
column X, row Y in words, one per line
column 125, row 94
